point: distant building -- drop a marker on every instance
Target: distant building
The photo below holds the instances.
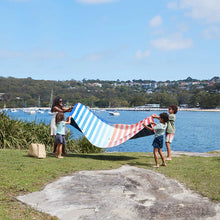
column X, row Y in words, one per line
column 152, row 105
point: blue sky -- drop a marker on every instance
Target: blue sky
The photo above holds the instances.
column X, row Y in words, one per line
column 110, row 39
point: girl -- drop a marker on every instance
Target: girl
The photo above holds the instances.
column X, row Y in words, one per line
column 60, row 133
column 158, row 137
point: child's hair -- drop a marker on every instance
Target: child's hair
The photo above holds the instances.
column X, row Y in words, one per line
column 60, row 117
column 174, row 107
column 164, row 116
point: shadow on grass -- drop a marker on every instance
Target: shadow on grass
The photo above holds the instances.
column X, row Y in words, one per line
column 103, row 157
column 141, row 164
column 90, row 156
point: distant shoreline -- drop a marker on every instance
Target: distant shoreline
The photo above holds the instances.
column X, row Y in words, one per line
column 157, row 109
column 129, row 109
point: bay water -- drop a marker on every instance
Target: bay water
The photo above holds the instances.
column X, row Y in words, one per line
column 195, row 131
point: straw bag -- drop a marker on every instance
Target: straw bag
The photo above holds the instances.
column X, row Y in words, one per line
column 37, row 150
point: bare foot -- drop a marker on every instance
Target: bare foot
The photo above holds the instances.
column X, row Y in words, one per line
column 157, row 166
column 168, row 158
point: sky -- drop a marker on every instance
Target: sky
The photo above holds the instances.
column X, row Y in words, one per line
column 110, row 39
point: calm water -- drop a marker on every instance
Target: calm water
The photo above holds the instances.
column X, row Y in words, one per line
column 195, row 131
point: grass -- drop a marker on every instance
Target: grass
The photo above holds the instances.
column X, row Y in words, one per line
column 20, row 174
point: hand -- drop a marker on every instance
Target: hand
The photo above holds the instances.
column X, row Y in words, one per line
column 155, row 116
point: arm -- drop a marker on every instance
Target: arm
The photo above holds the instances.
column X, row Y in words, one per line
column 149, row 128
column 155, row 116
column 57, row 109
column 68, row 120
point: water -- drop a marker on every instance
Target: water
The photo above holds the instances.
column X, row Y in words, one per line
column 195, row 131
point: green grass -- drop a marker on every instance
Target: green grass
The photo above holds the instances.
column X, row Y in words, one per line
column 21, row 174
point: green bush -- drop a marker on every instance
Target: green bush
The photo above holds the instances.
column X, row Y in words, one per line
column 82, row 145
column 17, row 134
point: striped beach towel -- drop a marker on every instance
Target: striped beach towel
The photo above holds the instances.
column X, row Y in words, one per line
column 102, row 133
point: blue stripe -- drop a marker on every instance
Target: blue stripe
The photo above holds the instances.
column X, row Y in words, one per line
column 86, row 118
column 81, row 116
column 80, row 107
column 88, row 127
column 93, row 128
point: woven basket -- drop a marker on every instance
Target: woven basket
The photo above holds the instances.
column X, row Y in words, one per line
column 37, row 150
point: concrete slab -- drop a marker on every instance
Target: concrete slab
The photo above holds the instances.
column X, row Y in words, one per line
column 126, row 193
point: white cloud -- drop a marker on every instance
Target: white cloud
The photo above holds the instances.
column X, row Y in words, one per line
column 95, row 1
column 172, row 5
column 142, row 54
column 208, row 10
column 212, row 32
column 156, row 21
column 93, row 57
column 47, row 54
column 10, row 54
column 174, row 42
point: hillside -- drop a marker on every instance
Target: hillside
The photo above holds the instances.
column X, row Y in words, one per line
column 16, row 92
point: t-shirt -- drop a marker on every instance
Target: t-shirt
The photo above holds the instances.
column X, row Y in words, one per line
column 61, row 127
column 171, row 124
column 160, row 129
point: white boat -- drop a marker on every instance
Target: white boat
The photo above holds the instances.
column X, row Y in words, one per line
column 14, row 110
column 114, row 113
column 40, row 111
column 29, row 111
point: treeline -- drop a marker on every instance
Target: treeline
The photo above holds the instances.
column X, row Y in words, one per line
column 28, row 92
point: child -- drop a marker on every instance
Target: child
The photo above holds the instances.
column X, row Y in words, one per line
column 158, row 137
column 170, row 131
column 60, row 133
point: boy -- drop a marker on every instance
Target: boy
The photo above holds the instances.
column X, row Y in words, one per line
column 170, row 131
column 158, row 137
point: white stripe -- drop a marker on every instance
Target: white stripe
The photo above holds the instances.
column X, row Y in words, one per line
column 95, row 131
column 79, row 115
column 91, row 127
column 86, row 125
column 103, row 127
column 116, row 135
column 75, row 111
column 108, row 134
column 83, row 118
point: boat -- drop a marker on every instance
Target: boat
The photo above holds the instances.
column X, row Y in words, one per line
column 114, row 113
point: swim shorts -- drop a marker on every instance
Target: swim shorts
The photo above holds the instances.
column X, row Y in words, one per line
column 169, row 137
column 158, row 142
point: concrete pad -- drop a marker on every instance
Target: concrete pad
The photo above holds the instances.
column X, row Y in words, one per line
column 126, row 193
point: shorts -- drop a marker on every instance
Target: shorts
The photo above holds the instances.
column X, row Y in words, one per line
column 158, row 142
column 169, row 137
column 60, row 139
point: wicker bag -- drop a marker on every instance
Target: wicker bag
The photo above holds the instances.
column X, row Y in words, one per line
column 37, row 150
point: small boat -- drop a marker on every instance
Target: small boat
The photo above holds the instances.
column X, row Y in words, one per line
column 14, row 110
column 40, row 111
column 114, row 113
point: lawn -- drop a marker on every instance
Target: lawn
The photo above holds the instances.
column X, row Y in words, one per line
column 21, row 174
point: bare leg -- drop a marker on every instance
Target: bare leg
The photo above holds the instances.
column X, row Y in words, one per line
column 156, row 157
column 59, row 150
column 54, row 148
column 168, row 151
column 64, row 150
column 162, row 157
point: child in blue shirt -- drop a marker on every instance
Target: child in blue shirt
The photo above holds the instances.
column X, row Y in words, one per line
column 158, row 137
column 60, row 133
